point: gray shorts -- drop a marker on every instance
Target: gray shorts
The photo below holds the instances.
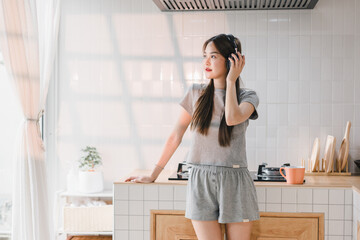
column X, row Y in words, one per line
column 221, row 193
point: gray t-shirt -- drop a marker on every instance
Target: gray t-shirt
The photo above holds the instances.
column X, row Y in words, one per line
column 205, row 149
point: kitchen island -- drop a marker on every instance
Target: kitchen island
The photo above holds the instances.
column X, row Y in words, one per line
column 336, row 197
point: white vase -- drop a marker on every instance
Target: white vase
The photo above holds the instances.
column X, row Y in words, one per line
column 91, row 182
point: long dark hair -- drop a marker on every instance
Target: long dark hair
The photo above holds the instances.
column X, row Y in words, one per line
column 202, row 116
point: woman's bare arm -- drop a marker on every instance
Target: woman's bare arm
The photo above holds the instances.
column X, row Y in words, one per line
column 236, row 113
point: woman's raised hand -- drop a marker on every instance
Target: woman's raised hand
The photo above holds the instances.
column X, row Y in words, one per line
column 140, row 179
column 236, row 66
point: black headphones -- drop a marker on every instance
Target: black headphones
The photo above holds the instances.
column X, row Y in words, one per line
column 231, row 39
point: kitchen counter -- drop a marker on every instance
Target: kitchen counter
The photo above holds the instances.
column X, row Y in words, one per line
column 338, row 197
column 310, row 181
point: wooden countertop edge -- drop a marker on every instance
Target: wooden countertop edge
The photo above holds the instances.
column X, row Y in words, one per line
column 310, row 181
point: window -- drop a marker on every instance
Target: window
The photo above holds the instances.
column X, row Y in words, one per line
column 11, row 118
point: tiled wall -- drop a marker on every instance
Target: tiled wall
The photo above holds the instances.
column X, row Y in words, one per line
column 337, row 205
column 356, row 212
column 132, row 204
column 124, row 65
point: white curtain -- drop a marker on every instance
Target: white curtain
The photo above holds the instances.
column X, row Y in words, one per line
column 28, row 41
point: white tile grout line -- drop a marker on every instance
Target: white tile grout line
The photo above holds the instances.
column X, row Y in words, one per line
column 312, row 200
column 344, row 213
column 265, row 200
column 281, row 203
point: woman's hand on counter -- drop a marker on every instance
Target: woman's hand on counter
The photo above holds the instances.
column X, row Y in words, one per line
column 140, row 179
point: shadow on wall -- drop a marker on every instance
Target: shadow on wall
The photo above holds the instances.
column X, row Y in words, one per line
column 122, row 73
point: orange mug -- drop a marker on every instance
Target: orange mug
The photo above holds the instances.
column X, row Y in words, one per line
column 294, row 175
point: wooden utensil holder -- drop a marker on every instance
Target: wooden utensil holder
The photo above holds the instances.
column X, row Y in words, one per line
column 321, row 172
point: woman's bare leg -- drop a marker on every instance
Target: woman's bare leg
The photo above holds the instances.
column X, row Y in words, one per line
column 238, row 231
column 207, row 230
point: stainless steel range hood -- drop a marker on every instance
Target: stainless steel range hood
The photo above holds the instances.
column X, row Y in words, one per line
column 223, row 5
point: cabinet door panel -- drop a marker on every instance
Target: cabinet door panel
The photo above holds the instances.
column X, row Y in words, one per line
column 269, row 228
column 271, row 238
column 185, row 237
column 174, row 227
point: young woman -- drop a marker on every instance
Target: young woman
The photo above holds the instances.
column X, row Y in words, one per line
column 220, row 188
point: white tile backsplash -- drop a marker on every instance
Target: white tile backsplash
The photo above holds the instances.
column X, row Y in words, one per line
column 289, row 195
column 356, row 199
column 288, row 207
column 121, row 207
column 261, row 207
column 348, row 228
column 335, row 237
column 121, row 192
column 273, row 195
column 336, row 212
column 136, row 192
column 180, row 193
column 356, row 218
column 151, row 192
column 179, row 205
column 150, row 205
column 121, row 222
column 348, row 212
column 146, row 235
column 166, row 192
column 166, row 205
column 273, row 207
column 321, row 196
column 123, row 235
column 136, row 207
column 304, row 208
column 336, row 227
column 336, row 196
column 136, row 223
column 322, row 208
column 304, row 195
column 146, row 223
column 136, row 235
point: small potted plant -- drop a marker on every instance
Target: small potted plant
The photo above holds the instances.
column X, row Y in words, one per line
column 90, row 180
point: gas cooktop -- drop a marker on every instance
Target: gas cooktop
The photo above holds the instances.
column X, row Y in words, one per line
column 266, row 178
column 269, row 174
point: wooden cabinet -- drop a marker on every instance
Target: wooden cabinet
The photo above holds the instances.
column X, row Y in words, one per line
column 300, row 226
column 172, row 225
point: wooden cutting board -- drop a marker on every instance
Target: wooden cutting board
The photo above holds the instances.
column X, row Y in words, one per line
column 344, row 147
column 329, row 153
column 315, row 154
